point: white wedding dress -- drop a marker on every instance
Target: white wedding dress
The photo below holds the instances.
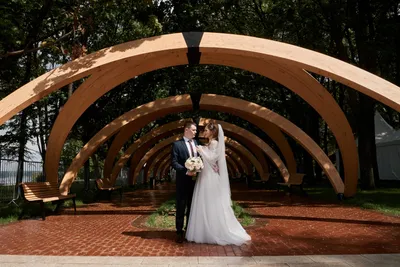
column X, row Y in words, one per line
column 212, row 219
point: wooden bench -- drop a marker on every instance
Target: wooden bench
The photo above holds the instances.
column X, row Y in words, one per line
column 104, row 185
column 295, row 179
column 43, row 192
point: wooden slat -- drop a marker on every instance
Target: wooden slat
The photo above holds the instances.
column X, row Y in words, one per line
column 43, row 191
column 40, row 191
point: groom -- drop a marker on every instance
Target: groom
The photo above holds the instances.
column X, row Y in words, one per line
column 181, row 151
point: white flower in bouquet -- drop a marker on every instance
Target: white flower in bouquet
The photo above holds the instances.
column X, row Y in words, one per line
column 194, row 164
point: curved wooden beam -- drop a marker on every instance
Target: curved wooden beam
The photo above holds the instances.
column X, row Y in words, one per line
column 237, row 133
column 151, row 154
column 166, row 168
column 237, row 147
column 142, row 113
column 237, row 162
column 141, row 146
column 241, row 160
column 237, row 159
column 144, row 142
column 159, row 170
column 234, row 168
column 230, row 104
column 126, row 132
column 164, row 59
column 251, row 109
column 153, row 170
column 154, row 162
column 240, row 134
column 154, row 152
column 92, row 89
column 169, row 50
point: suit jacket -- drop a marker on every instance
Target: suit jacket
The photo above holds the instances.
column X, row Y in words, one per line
column 180, row 153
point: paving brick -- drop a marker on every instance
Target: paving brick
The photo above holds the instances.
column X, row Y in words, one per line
column 300, row 226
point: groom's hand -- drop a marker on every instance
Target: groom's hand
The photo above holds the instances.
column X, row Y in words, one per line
column 191, row 173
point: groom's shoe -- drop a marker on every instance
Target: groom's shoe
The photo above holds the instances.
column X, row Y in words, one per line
column 179, row 238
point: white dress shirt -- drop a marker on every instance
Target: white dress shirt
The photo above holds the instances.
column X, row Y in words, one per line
column 188, row 144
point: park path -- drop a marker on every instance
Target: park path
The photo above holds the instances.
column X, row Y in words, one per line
column 296, row 226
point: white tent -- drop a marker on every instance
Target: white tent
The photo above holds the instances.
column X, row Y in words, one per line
column 387, row 142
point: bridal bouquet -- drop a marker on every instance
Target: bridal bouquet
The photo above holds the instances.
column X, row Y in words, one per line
column 194, row 164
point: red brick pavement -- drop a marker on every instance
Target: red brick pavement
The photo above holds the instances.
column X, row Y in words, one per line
column 300, row 227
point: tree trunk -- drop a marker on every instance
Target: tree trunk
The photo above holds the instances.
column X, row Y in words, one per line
column 23, row 129
column 96, row 167
column 86, row 176
column 365, row 38
column 366, row 143
column 21, row 149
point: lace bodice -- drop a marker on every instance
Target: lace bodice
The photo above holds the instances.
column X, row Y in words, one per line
column 210, row 153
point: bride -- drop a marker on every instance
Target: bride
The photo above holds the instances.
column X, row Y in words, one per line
column 211, row 218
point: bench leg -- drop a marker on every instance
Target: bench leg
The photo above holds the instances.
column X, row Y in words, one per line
column 73, row 201
column 22, row 213
column 302, row 190
column 43, row 212
column 57, row 210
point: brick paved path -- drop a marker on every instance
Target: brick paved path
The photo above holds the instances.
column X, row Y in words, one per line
column 300, row 227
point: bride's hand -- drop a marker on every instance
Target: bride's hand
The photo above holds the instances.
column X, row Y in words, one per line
column 215, row 168
column 199, row 148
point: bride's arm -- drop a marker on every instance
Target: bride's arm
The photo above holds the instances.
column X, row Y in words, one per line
column 209, row 154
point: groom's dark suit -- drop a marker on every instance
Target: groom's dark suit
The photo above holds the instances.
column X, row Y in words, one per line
column 184, row 183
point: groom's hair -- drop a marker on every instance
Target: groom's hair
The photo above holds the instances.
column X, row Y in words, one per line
column 189, row 124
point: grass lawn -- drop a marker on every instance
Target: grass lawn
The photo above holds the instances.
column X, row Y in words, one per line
column 164, row 216
column 386, row 200
column 10, row 213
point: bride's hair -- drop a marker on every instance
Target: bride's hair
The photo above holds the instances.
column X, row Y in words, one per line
column 213, row 127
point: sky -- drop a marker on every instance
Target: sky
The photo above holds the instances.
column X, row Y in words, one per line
column 35, row 155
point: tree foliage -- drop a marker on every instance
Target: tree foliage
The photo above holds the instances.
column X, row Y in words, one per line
column 37, row 36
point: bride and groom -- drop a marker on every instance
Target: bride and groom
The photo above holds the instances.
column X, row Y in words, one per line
column 207, row 199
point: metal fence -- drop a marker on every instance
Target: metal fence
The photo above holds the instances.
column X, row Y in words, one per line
column 33, row 172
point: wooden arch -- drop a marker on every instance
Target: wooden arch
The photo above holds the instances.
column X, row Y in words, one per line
column 142, row 114
column 285, row 62
column 158, row 170
column 241, row 165
column 153, row 153
column 248, row 110
column 161, row 170
column 157, row 162
column 140, row 146
column 126, row 132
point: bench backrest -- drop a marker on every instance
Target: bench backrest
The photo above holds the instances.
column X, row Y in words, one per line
column 103, row 183
column 38, row 191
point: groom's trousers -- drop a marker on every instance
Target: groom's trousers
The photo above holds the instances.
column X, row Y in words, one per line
column 184, row 194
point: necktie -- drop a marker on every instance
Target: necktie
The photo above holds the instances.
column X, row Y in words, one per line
column 191, row 148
